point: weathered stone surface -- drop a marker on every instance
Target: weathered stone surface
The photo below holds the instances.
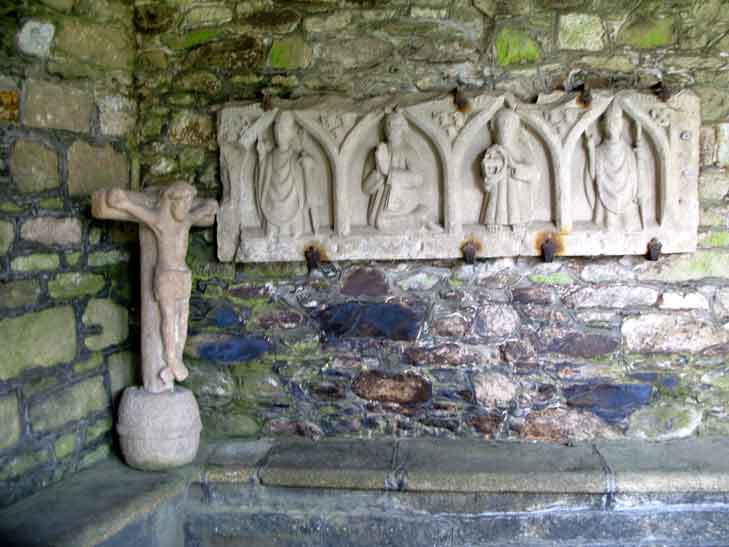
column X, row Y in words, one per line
column 9, row 105
column 57, row 106
column 404, row 389
column 105, row 46
column 365, row 282
column 676, row 332
column 454, row 324
column 487, row 425
column 393, row 321
column 444, row 354
column 123, row 372
column 612, row 402
column 35, row 262
column 606, row 272
column 152, row 18
column 713, row 184
column 580, row 31
column 19, row 293
column 290, row 54
column 496, row 320
column 560, row 425
column 584, row 345
column 686, row 267
column 543, row 296
column 158, row 430
column 207, row 16
column 7, row 236
column 515, row 46
column 75, row 284
column 423, row 280
column 52, row 231
column 70, row 404
column 113, row 320
column 327, row 23
column 294, row 428
column 10, row 428
column 665, row 421
column 647, row 32
column 232, row 56
column 493, row 389
column 612, row 297
column 34, row 166
column 349, row 54
column 229, row 349
column 683, row 301
column 721, row 303
column 92, row 168
column 35, row 38
column 191, row 128
column 117, row 115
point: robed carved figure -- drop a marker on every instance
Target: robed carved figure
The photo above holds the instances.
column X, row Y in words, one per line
column 285, row 174
column 612, row 182
column 509, row 176
column 394, row 184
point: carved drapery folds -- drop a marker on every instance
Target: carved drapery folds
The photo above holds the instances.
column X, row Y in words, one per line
column 413, row 177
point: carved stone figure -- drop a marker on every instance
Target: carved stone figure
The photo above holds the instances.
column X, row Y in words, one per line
column 612, row 170
column 509, row 176
column 409, row 176
column 165, row 217
column 285, row 173
column 394, row 182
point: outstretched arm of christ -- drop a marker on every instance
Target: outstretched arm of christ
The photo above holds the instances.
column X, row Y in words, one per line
column 119, row 204
column 203, row 213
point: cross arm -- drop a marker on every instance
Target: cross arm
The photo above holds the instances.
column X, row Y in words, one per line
column 138, row 207
column 203, row 212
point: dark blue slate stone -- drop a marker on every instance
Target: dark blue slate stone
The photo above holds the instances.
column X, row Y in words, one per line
column 376, row 320
column 612, row 402
column 225, row 316
column 584, row 345
column 235, row 349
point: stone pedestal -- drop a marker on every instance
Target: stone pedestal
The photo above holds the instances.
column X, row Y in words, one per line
column 158, row 430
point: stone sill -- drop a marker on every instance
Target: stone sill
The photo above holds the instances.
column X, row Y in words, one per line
column 101, row 504
column 436, row 465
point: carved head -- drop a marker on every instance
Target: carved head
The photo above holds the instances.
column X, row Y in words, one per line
column 507, row 126
column 284, row 130
column 395, row 126
column 614, row 121
column 178, row 197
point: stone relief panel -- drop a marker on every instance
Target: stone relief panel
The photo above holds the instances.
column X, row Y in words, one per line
column 413, row 176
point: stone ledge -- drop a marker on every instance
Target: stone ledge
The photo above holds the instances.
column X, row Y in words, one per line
column 90, row 507
column 112, row 504
column 439, row 465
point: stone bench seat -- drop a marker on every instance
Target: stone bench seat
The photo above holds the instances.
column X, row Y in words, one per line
column 381, row 492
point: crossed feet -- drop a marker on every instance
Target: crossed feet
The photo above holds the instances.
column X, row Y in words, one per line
column 176, row 372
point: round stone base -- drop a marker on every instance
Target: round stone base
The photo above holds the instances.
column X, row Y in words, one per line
column 158, row 430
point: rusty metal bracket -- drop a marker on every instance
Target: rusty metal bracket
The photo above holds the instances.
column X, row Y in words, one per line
column 469, row 249
column 313, row 258
column 654, row 250
column 549, row 249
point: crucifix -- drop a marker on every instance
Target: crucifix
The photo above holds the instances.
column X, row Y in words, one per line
column 165, row 217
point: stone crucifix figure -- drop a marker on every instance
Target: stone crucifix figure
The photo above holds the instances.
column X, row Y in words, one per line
column 165, row 216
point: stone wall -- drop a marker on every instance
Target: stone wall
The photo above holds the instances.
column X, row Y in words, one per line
column 67, row 116
column 510, row 349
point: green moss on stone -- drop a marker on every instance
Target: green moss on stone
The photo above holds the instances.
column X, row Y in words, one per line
column 23, row 463
column 648, row 33
column 7, row 235
column 10, row 208
column 290, row 54
column 515, row 47
column 10, row 429
column 99, row 428
column 108, row 258
column 35, row 262
column 51, row 203
column 70, row 404
column 113, row 320
column 192, row 39
column 42, row 339
column 93, row 362
column 557, row 278
column 75, row 284
column 65, row 445
column 95, row 456
column 715, row 239
column 39, row 385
